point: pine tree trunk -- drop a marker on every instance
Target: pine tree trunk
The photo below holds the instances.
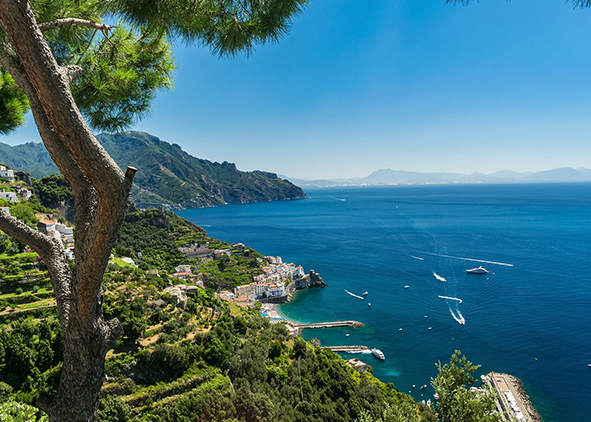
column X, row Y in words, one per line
column 101, row 191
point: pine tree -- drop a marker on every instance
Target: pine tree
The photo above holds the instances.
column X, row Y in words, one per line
column 75, row 72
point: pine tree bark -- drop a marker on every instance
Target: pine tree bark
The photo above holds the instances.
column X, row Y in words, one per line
column 101, row 191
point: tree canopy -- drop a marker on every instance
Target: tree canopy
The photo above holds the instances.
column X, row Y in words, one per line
column 120, row 50
column 456, row 401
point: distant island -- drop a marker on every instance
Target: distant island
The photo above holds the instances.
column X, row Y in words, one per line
column 166, row 175
column 400, row 177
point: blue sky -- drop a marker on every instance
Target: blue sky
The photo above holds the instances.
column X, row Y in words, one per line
column 415, row 85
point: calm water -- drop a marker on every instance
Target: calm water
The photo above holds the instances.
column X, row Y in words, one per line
column 530, row 316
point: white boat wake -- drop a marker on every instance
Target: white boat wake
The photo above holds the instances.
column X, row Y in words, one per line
column 454, row 311
column 438, row 277
column 451, row 298
column 416, row 257
column 459, row 317
column 470, row 259
column 354, row 295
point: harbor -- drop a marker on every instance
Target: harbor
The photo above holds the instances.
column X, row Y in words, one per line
column 512, row 402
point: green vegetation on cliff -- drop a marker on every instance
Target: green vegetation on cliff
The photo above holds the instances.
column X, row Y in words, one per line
column 198, row 360
column 166, row 174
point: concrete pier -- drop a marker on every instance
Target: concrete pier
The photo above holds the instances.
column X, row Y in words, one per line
column 348, row 349
column 354, row 324
column 513, row 403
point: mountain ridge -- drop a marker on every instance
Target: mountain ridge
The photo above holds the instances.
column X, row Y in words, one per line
column 166, row 174
column 402, row 177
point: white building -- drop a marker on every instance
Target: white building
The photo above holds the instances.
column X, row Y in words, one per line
column 25, row 193
column 45, row 226
column 183, row 269
column 6, row 173
column 66, row 232
column 9, row 196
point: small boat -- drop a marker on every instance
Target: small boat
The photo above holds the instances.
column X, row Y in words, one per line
column 430, row 328
column 347, row 335
column 479, row 270
column 368, row 304
column 365, row 293
column 423, row 386
column 378, row 354
column 406, row 287
column 589, row 365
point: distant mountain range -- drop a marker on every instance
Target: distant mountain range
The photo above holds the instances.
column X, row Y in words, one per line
column 399, row 177
column 166, row 174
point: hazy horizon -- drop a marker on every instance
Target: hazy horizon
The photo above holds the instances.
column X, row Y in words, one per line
column 418, row 86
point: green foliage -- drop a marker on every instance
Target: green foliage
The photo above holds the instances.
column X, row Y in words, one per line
column 20, row 412
column 13, row 104
column 226, row 26
column 24, row 212
column 157, row 236
column 230, row 271
column 456, row 402
column 122, row 76
column 52, row 190
column 403, row 412
column 113, row 409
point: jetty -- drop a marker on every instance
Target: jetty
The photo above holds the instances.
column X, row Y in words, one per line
column 353, row 324
column 513, row 402
column 349, row 349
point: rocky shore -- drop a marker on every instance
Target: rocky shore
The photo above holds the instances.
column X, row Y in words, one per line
column 312, row 279
column 513, row 401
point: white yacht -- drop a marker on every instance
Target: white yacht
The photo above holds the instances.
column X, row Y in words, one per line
column 479, row 270
column 378, row 354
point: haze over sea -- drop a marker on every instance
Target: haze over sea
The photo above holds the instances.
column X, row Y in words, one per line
column 529, row 317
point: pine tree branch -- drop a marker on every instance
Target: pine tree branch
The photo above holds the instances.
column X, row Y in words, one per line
column 54, row 256
column 52, row 88
column 73, row 72
column 46, row 26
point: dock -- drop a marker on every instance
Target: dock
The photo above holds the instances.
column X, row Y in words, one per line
column 513, row 402
column 353, row 324
column 349, row 349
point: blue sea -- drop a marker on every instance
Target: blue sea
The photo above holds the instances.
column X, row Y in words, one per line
column 530, row 316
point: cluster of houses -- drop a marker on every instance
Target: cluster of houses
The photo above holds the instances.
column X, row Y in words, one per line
column 270, row 284
column 60, row 231
column 21, row 193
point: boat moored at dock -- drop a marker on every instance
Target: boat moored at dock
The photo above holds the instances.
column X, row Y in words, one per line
column 378, row 354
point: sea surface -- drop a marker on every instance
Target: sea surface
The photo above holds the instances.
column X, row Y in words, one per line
column 529, row 317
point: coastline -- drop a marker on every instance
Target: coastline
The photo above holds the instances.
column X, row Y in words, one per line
column 513, row 399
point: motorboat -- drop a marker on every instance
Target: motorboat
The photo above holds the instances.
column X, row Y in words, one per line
column 378, row 354
column 365, row 293
column 479, row 270
column 406, row 287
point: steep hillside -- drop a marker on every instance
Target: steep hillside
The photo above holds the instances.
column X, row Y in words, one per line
column 166, row 174
column 30, row 157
